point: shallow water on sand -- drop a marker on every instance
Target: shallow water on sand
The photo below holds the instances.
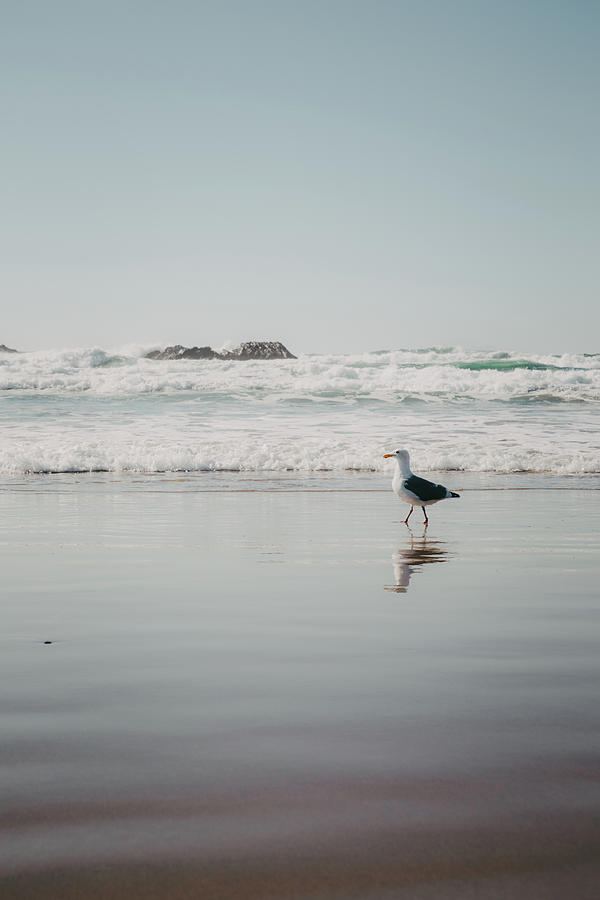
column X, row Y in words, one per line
column 286, row 693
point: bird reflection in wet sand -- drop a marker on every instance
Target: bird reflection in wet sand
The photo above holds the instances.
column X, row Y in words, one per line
column 407, row 560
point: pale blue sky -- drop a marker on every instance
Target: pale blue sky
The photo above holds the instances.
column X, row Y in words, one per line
column 338, row 175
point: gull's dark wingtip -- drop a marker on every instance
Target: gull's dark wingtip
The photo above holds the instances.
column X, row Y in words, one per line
column 452, row 494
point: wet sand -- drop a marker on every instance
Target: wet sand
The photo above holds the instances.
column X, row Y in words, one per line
column 289, row 694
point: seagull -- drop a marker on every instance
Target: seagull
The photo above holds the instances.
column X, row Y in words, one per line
column 412, row 489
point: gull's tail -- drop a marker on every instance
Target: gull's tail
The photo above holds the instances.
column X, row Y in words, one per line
column 452, row 494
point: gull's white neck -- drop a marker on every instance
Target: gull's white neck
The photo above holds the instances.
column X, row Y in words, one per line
column 403, row 467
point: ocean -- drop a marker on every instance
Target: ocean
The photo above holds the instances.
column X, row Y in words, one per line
column 112, row 410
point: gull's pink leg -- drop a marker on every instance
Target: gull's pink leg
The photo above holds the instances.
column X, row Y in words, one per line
column 425, row 520
column 408, row 516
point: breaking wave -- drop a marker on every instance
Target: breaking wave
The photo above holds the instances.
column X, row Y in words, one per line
column 87, row 410
column 284, row 456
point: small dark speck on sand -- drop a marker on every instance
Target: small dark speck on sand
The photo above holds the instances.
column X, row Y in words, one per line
column 47, row 642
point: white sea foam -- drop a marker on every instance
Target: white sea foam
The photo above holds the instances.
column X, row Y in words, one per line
column 429, row 375
column 175, row 442
column 145, row 457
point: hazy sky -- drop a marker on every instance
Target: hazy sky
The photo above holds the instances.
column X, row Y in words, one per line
column 338, row 175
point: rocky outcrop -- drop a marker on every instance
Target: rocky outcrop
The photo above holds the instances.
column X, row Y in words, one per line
column 5, row 349
column 179, row 352
column 247, row 350
column 259, row 350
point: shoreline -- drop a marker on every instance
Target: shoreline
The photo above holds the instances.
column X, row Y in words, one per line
column 295, row 481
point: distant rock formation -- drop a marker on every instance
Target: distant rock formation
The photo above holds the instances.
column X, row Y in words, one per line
column 247, row 350
column 259, row 350
column 5, row 349
column 179, row 352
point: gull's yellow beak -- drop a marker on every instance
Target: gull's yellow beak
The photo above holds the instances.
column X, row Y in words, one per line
column 387, row 455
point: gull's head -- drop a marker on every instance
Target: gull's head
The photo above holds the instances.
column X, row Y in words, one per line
column 400, row 455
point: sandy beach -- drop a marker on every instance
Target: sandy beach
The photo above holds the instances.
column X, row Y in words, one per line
column 228, row 687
